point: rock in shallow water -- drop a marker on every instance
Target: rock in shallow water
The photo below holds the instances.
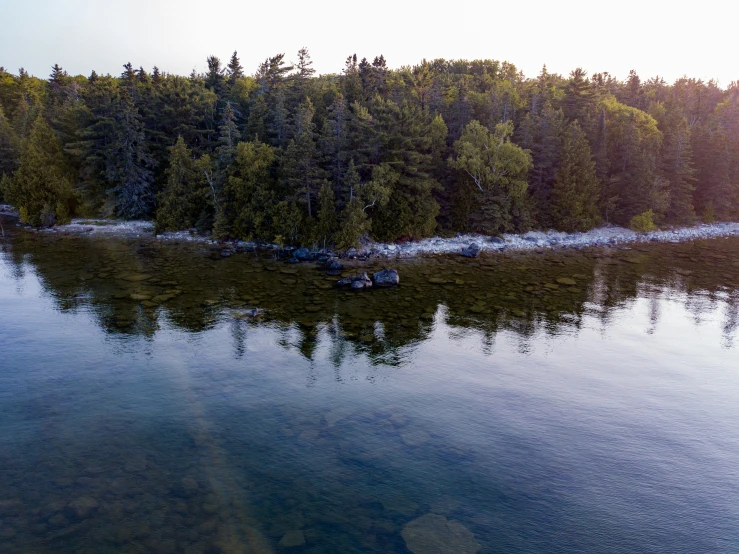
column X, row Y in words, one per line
column 386, row 278
column 82, row 507
column 471, row 251
column 357, row 282
column 435, row 534
column 303, row 255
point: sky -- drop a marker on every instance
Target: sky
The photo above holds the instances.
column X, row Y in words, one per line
column 669, row 39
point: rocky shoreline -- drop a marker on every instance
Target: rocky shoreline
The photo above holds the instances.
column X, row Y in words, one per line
column 469, row 245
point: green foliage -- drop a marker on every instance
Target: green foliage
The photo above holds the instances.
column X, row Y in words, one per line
column 41, row 188
column 327, row 221
column 404, row 145
column 643, row 223
column 497, row 168
column 633, row 182
column 574, row 202
column 184, row 195
column 381, row 138
column 251, row 194
column 8, row 146
column 354, row 224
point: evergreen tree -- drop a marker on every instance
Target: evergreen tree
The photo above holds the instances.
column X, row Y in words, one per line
column 676, row 162
column 42, row 187
column 575, row 190
column 352, row 83
column 183, row 196
column 301, row 164
column 403, row 143
column 128, row 163
column 714, row 192
column 632, row 183
column 580, row 98
column 214, row 78
column 58, row 81
column 326, row 223
column 8, row 146
column 251, row 191
column 304, row 67
column 542, row 130
column 354, row 221
column 234, row 69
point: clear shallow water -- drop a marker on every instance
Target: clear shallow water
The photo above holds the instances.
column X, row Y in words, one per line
column 144, row 411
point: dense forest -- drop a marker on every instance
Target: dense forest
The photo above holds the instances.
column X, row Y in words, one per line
column 288, row 156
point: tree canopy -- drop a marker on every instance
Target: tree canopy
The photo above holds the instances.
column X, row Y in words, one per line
column 389, row 154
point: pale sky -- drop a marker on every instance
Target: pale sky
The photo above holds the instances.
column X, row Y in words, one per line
column 669, row 39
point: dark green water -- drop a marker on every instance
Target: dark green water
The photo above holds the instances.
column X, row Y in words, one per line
column 547, row 402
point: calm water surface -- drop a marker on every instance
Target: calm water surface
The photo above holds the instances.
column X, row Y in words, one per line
column 546, row 402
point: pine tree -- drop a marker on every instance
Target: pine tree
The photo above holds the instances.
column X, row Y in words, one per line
column 250, row 191
column 234, row 69
column 676, row 162
column 8, row 146
column 714, row 192
column 354, row 224
column 354, row 221
column 575, row 191
column 579, row 99
column 301, row 168
column 128, row 163
column 58, row 81
column 41, row 188
column 182, row 199
column 352, row 84
column 543, row 129
column 224, row 154
column 304, row 67
column 403, row 143
column 326, row 223
column 215, row 79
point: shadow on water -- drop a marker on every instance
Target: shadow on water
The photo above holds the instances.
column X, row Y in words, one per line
column 223, row 458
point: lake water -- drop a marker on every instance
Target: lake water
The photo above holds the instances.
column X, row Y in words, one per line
column 574, row 401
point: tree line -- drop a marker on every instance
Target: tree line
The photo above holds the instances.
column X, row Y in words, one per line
column 444, row 146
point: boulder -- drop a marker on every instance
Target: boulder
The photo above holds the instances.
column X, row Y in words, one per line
column 356, row 282
column 471, row 251
column 497, row 240
column 386, row 278
column 303, row 255
column 435, row 534
column 333, row 267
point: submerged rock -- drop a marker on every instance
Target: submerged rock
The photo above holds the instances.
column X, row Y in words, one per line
column 386, row 278
column 471, row 251
column 357, row 282
column 435, row 534
column 292, row 539
column 82, row 507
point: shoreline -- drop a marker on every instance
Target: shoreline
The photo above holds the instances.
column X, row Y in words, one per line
column 532, row 240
